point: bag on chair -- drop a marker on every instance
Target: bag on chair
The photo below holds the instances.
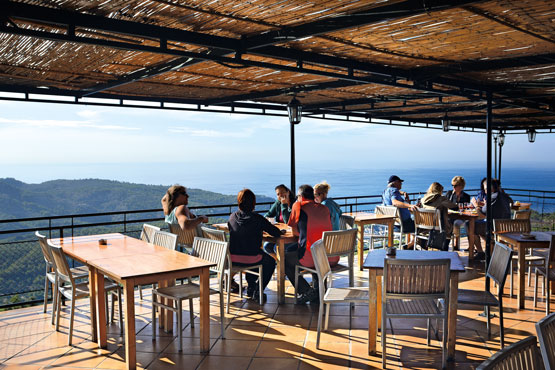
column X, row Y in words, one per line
column 437, row 240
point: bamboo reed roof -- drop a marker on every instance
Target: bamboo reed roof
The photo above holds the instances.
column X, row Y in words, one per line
column 409, row 62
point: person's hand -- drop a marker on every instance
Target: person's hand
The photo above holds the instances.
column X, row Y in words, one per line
column 413, row 207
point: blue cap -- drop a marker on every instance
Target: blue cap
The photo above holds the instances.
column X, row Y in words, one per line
column 394, row 178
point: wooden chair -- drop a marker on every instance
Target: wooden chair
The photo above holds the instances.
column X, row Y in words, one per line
column 497, row 271
column 523, row 214
column 185, row 237
column 81, row 272
column 517, row 226
column 426, row 220
column 393, row 211
column 147, row 233
column 336, row 243
column 68, row 287
column 415, row 288
column 346, row 222
column 162, row 239
column 547, row 271
column 545, row 328
column 522, row 355
column 213, row 234
column 329, row 294
column 210, row 250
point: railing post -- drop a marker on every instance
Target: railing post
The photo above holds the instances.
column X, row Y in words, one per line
column 125, row 223
column 72, row 221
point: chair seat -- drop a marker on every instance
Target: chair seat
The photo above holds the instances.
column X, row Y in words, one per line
column 346, row 294
column 541, row 270
column 531, row 258
column 477, row 297
column 184, row 291
column 541, row 252
column 408, row 307
column 236, row 268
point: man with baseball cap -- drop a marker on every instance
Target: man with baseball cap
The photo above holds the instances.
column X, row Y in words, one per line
column 393, row 196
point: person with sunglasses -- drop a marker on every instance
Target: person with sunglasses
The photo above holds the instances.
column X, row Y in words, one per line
column 174, row 204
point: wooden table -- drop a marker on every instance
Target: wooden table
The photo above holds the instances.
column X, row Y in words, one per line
column 520, row 244
column 366, row 218
column 375, row 262
column 286, row 238
column 132, row 262
column 520, row 206
column 471, row 217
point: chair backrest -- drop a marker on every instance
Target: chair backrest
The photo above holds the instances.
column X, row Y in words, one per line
column 215, row 251
column 60, row 264
column 339, row 243
column 390, row 211
column 417, row 279
column 147, row 233
column 46, row 252
column 165, row 239
column 545, row 328
column 522, row 355
column 321, row 263
column 523, row 214
column 499, row 264
column 427, row 219
column 346, row 222
column 511, row 226
column 184, row 237
column 550, row 260
column 213, row 234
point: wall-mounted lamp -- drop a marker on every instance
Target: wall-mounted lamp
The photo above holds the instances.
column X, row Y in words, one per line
column 501, row 137
column 531, row 135
column 445, row 123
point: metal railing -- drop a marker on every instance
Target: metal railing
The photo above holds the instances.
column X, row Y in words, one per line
column 22, row 264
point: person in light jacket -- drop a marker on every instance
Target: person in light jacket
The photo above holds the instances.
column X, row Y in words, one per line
column 321, row 196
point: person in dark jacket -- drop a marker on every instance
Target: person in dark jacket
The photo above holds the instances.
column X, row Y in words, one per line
column 245, row 238
column 280, row 212
column 500, row 209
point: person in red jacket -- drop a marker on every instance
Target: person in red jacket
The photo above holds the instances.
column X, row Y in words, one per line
column 308, row 220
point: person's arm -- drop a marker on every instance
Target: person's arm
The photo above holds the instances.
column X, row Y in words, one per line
column 269, row 228
column 294, row 218
column 186, row 222
column 399, row 204
column 273, row 211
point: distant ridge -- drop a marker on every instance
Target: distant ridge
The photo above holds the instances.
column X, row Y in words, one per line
column 63, row 197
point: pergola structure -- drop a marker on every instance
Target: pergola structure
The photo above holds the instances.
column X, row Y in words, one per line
column 463, row 65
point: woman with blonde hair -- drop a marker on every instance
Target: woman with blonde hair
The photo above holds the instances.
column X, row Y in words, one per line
column 457, row 195
column 174, row 204
column 321, row 196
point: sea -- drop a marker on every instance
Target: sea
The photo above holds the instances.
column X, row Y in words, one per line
column 262, row 180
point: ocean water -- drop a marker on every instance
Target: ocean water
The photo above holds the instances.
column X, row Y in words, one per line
column 262, row 180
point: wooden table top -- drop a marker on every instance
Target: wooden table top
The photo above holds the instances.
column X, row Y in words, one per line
column 520, row 206
column 125, row 257
column 539, row 237
column 375, row 258
column 367, row 216
column 463, row 215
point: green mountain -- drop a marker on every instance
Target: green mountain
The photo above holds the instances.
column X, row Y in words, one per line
column 63, row 197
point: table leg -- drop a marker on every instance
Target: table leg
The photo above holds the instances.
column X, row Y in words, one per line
column 372, row 313
column 100, row 309
column 360, row 247
column 130, row 339
column 280, row 266
column 390, row 232
column 204, row 310
column 471, row 227
column 452, row 316
column 92, row 299
column 379, row 301
column 161, row 311
column 521, row 273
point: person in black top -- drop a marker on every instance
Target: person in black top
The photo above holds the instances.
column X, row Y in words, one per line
column 245, row 238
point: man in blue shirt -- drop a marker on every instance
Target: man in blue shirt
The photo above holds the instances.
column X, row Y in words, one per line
column 393, row 196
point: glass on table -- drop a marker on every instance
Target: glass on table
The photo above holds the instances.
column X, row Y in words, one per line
column 461, row 207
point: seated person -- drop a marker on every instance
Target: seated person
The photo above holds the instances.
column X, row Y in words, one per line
column 174, row 204
column 245, row 238
column 480, row 199
column 433, row 199
column 280, row 211
column 321, row 196
column 457, row 195
column 393, row 196
column 500, row 209
column 308, row 220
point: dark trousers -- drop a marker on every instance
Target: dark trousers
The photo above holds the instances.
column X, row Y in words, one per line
column 291, row 260
column 268, row 267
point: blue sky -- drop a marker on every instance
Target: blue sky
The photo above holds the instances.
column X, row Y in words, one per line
column 34, row 135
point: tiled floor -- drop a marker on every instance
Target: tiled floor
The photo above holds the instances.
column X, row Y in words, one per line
column 268, row 337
